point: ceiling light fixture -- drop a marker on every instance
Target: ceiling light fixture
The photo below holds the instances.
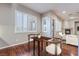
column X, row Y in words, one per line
column 63, row 12
column 72, row 17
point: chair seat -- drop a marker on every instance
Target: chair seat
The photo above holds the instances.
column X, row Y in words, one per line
column 51, row 49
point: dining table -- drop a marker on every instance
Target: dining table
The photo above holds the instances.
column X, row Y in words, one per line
column 40, row 42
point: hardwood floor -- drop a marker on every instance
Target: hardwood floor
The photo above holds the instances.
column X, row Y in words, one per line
column 22, row 50
column 70, row 50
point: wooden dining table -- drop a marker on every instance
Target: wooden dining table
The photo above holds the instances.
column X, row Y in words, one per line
column 40, row 46
column 40, row 42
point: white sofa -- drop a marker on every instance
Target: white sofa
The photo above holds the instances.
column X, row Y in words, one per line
column 71, row 39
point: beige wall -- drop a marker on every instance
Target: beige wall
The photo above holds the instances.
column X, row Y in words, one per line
column 7, row 23
column 70, row 24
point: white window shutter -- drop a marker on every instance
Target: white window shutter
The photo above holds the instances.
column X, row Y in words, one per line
column 18, row 21
column 24, row 22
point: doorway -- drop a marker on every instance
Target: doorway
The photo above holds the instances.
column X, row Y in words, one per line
column 77, row 27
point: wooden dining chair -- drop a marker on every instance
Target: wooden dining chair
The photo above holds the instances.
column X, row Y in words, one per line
column 30, row 39
column 55, row 47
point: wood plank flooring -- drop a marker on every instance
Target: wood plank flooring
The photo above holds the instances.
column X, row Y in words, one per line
column 22, row 50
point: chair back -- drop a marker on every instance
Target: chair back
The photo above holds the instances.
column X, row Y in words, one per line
column 32, row 35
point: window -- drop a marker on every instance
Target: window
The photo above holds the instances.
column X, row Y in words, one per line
column 46, row 23
column 32, row 22
column 47, row 26
column 25, row 22
column 18, row 22
column 58, row 25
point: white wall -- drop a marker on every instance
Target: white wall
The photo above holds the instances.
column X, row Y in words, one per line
column 70, row 24
column 7, row 23
column 5, row 17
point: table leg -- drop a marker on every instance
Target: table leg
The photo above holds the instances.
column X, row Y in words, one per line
column 38, row 48
column 42, row 45
column 28, row 43
column 33, row 47
column 56, row 49
column 46, row 43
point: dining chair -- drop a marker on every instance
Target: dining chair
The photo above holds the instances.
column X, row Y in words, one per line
column 30, row 39
column 54, row 48
column 56, row 45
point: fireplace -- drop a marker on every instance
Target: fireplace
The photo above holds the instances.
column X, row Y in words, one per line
column 67, row 31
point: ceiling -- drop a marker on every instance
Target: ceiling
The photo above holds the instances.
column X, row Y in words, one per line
column 64, row 10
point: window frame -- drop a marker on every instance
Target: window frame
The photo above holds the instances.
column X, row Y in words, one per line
column 22, row 30
column 32, row 20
